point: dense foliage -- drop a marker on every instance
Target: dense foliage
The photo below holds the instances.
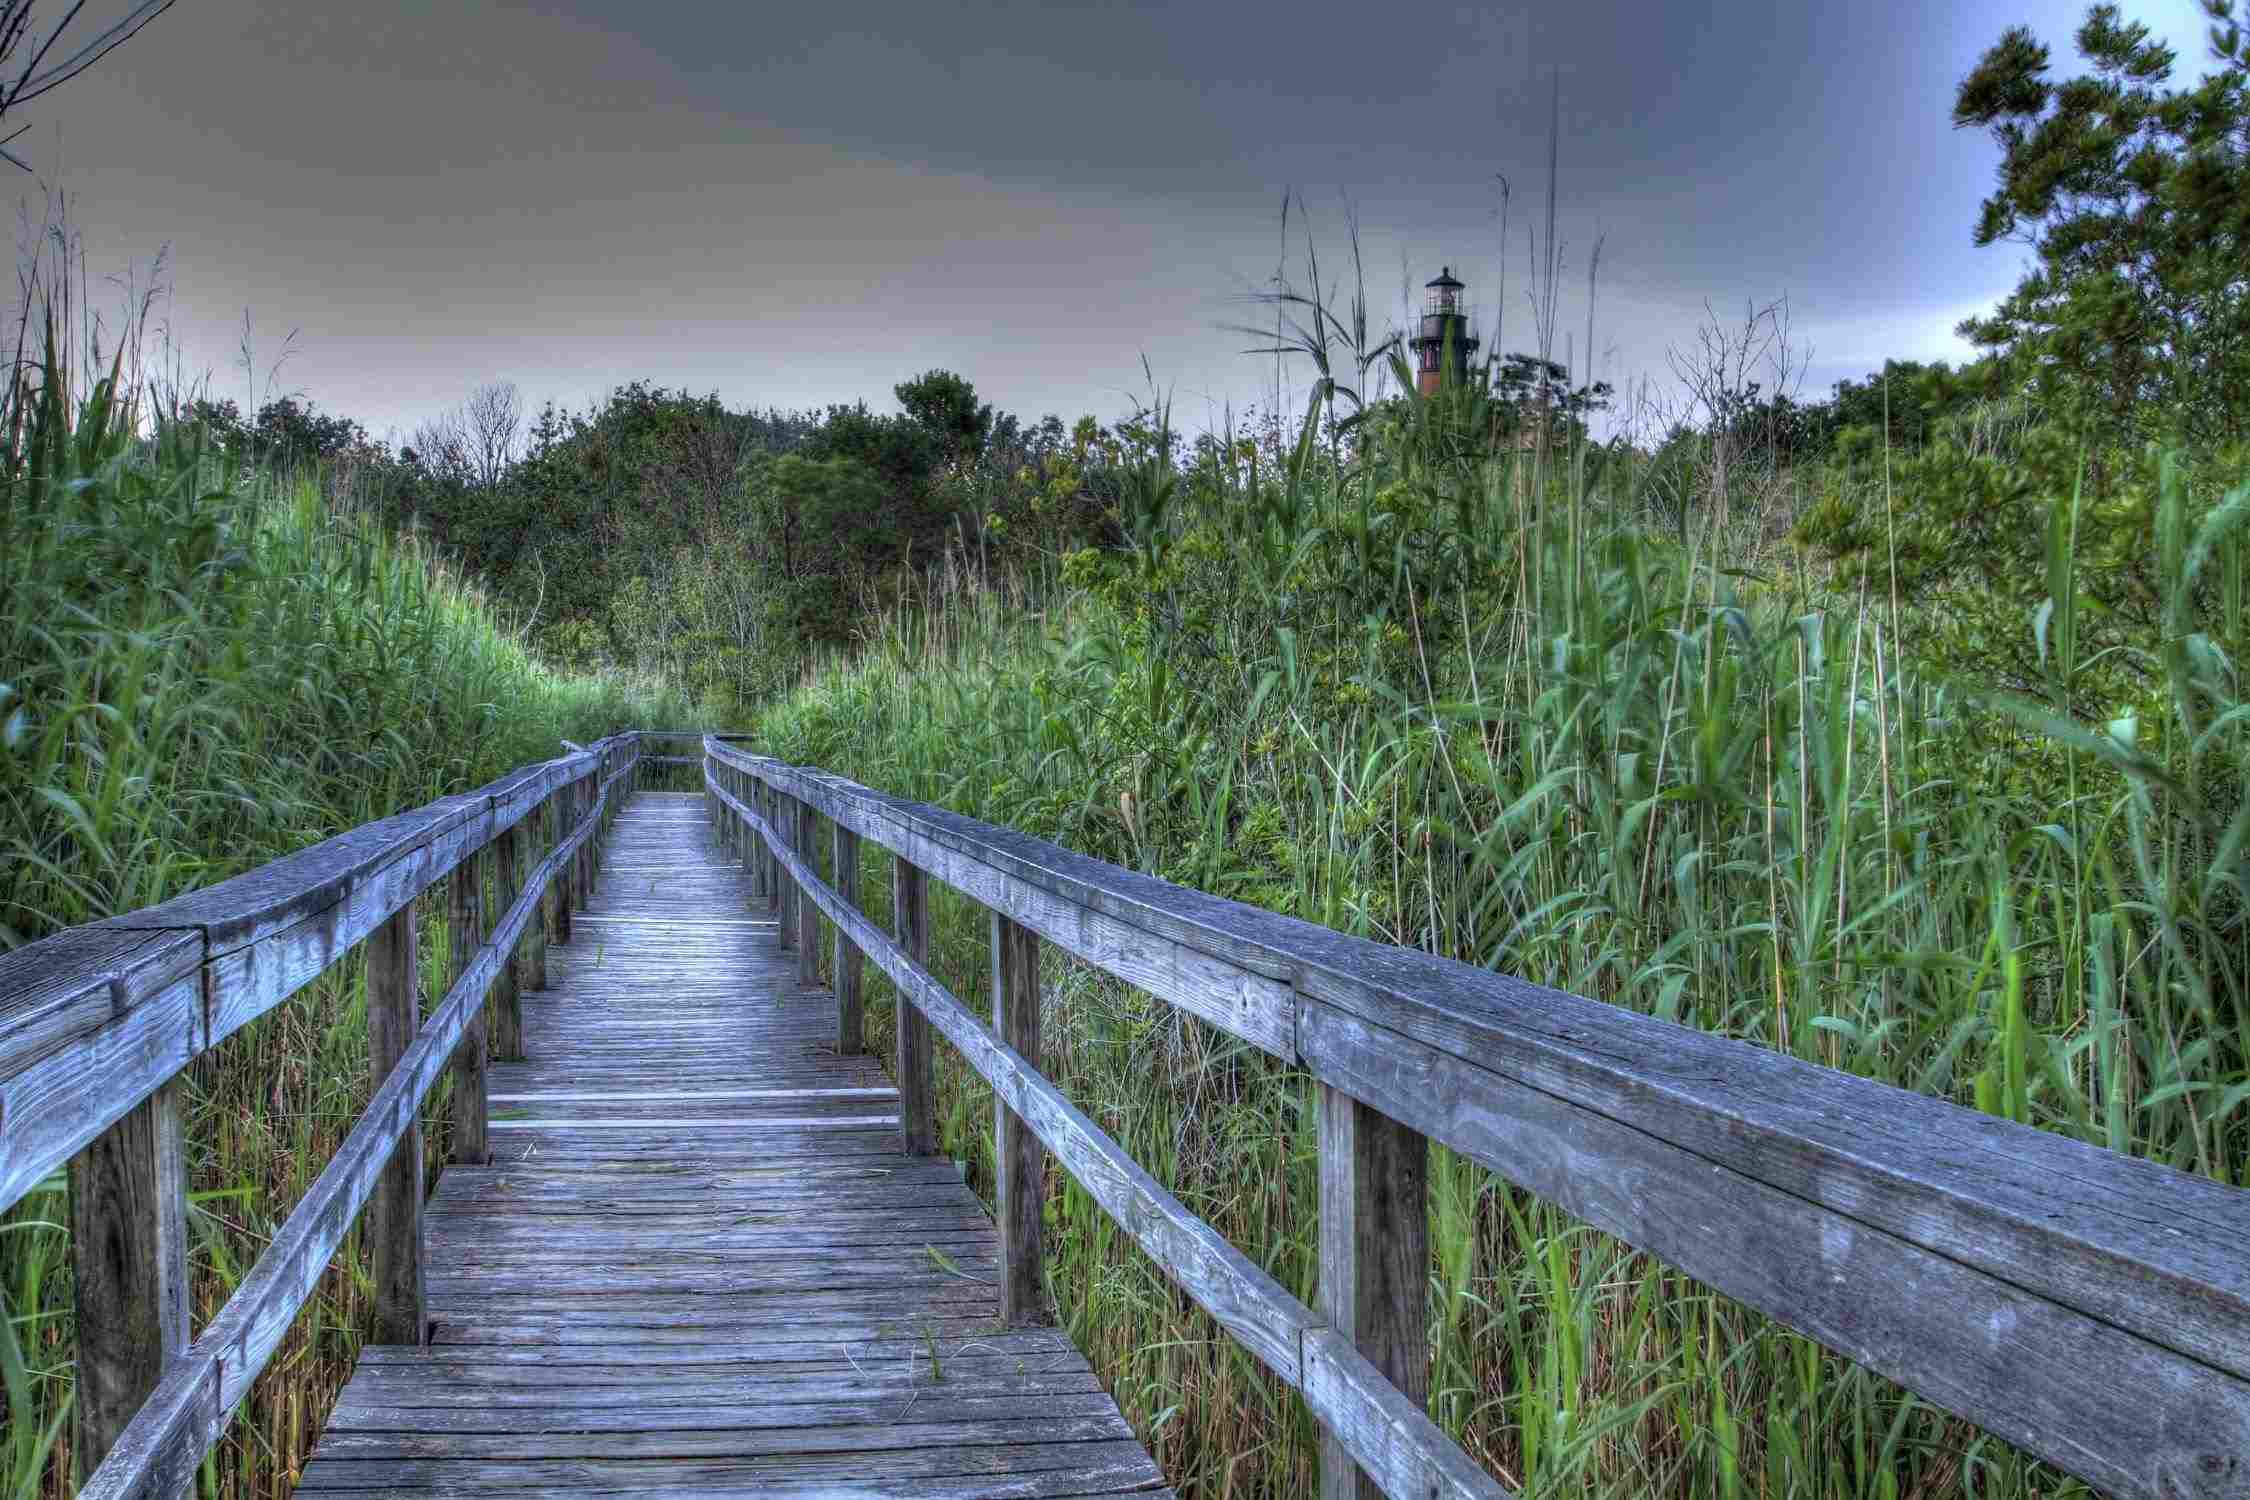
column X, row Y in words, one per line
column 2136, row 201
column 205, row 669
column 1903, row 730
column 1453, row 705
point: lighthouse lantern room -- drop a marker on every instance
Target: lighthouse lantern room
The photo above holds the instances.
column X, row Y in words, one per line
column 1443, row 345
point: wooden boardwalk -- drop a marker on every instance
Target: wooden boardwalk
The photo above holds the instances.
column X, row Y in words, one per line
column 699, row 1263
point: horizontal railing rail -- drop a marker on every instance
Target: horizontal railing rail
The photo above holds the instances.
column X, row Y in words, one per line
column 98, row 1023
column 2089, row 1307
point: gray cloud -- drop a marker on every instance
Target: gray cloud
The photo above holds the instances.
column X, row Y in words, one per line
column 801, row 204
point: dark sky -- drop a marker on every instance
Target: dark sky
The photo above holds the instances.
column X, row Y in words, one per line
column 799, row 203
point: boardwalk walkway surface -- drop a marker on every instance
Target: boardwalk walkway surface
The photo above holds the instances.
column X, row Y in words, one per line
column 699, row 1263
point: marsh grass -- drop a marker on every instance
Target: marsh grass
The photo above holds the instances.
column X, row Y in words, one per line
column 205, row 670
column 1394, row 689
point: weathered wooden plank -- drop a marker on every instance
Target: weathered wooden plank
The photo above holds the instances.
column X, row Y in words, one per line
column 56, row 990
column 1246, row 1302
column 492, row 1404
column 982, row 1471
column 243, row 983
column 507, row 992
column 1387, row 1435
column 122, row 1006
column 129, row 1264
column 582, row 861
column 565, row 880
column 654, row 1269
column 1966, row 1340
column 1020, row 1185
column 845, row 960
column 465, row 897
column 910, row 920
column 1037, row 1345
column 806, row 841
column 785, row 813
column 1067, row 905
column 161, row 1447
column 394, row 1212
column 536, row 937
column 1374, row 1260
column 2114, row 1240
column 280, row 895
column 117, row 1005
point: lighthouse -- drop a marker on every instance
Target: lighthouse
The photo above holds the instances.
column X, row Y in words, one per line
column 1444, row 344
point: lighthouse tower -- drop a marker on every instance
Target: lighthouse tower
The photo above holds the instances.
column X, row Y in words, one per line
column 1445, row 343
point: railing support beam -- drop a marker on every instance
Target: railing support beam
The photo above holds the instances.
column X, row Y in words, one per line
column 1374, row 1258
column 1019, row 1161
column 472, row 1144
column 910, row 921
column 128, row 1254
column 807, row 844
column 394, row 1210
column 850, row 1024
column 507, row 998
column 541, row 930
column 781, row 817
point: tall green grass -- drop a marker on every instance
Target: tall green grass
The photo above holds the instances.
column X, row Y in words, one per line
column 201, row 671
column 1433, row 698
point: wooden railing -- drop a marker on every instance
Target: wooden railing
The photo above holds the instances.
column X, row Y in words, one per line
column 2089, row 1307
column 97, row 1024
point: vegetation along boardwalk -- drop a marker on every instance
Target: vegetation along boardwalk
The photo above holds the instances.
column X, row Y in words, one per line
column 692, row 1240
column 699, row 1259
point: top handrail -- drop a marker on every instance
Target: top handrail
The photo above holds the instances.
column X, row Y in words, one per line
column 126, row 1000
column 2014, row 1276
column 98, row 1022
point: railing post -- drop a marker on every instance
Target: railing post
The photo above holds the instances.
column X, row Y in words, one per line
column 1019, row 1162
column 128, row 1255
column 582, row 863
column 394, row 1210
column 784, row 820
column 753, row 847
column 507, row 1010
column 910, row 923
column 541, row 927
column 849, row 1026
column 806, row 843
column 566, row 873
column 738, row 832
column 464, row 917
column 1374, row 1258
column 777, row 899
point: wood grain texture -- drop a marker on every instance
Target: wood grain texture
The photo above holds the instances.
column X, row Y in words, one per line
column 1019, row 1165
column 393, row 1230
column 785, row 819
column 129, row 1264
column 507, row 992
column 845, row 961
column 1374, row 1260
column 1386, row 1434
column 133, row 999
column 624, row 1305
column 541, row 931
column 464, row 911
column 2048, row 1249
column 160, row 1449
column 1065, row 901
column 805, row 839
column 120, row 1005
column 912, row 1065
